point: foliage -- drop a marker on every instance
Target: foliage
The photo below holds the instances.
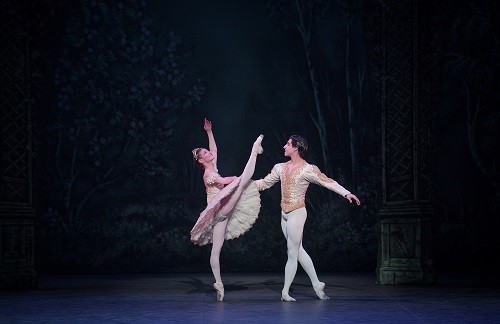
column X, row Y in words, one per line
column 467, row 218
column 143, row 237
column 120, row 87
column 330, row 66
column 473, row 59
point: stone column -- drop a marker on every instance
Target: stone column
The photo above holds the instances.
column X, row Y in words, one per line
column 402, row 67
column 16, row 207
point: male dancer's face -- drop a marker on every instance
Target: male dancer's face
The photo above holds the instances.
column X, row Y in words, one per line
column 289, row 149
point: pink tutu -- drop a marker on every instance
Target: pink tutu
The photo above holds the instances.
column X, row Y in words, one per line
column 240, row 219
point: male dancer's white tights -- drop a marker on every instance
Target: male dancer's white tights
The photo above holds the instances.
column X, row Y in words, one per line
column 292, row 225
column 220, row 228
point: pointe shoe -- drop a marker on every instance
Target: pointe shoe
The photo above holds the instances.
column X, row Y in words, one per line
column 257, row 147
column 286, row 297
column 219, row 287
column 319, row 291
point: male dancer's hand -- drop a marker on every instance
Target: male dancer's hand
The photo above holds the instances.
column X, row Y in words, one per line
column 352, row 197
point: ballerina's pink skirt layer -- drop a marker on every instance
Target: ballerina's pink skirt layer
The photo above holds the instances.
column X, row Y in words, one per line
column 240, row 219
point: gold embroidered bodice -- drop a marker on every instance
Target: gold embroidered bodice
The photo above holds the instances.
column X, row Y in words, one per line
column 210, row 185
column 294, row 184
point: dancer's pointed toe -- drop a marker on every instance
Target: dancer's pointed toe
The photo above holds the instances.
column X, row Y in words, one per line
column 219, row 287
column 319, row 289
column 287, row 298
column 257, row 145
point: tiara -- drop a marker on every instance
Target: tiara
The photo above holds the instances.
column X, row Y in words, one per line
column 195, row 153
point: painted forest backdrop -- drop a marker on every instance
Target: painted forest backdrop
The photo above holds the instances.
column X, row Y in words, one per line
column 121, row 90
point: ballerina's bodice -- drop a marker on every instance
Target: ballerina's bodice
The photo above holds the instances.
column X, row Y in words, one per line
column 211, row 186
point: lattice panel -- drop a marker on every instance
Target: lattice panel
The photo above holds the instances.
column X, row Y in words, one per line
column 399, row 89
column 16, row 213
column 14, row 104
column 13, row 191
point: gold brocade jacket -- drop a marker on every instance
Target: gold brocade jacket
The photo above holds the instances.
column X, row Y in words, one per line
column 294, row 184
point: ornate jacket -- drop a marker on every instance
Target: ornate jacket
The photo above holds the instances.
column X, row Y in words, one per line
column 294, row 184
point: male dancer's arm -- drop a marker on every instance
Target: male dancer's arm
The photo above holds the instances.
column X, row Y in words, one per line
column 314, row 175
column 269, row 180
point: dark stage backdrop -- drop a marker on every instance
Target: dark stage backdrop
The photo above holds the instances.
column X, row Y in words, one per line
column 121, row 89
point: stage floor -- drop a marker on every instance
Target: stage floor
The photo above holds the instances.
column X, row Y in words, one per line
column 250, row 298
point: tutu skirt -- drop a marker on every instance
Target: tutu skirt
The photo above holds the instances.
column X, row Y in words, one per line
column 240, row 219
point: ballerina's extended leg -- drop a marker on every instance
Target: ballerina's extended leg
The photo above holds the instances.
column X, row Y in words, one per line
column 246, row 176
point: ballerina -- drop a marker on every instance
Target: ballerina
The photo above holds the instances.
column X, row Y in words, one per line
column 233, row 203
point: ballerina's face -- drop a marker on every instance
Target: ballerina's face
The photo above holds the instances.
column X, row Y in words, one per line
column 205, row 155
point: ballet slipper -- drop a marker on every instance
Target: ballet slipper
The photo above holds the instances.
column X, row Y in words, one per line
column 257, row 147
column 319, row 291
column 219, row 287
column 286, row 297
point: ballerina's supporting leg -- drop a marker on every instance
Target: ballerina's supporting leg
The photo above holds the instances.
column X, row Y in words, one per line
column 220, row 228
column 217, row 242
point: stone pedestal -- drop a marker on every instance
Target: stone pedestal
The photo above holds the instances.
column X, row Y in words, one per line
column 405, row 256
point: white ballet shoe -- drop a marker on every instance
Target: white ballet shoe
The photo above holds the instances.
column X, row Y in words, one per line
column 219, row 287
column 319, row 291
column 257, row 147
column 286, row 297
